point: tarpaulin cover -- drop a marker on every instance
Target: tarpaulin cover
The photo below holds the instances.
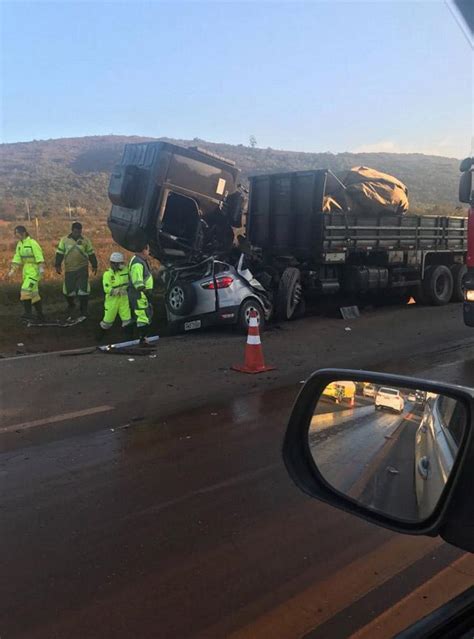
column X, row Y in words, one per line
column 371, row 191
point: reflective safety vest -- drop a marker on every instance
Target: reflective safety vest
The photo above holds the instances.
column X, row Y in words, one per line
column 76, row 253
column 28, row 251
column 115, row 280
column 140, row 274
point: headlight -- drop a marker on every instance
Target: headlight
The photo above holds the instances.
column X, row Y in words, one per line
column 469, row 295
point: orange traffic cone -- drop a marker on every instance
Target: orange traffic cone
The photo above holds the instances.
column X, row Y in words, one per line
column 254, row 362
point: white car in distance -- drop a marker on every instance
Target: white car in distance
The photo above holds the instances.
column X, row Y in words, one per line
column 389, row 398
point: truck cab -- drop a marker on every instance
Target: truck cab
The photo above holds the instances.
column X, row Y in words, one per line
column 182, row 201
column 466, row 196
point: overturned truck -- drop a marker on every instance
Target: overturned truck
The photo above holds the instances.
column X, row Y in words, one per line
column 306, row 233
column 182, row 201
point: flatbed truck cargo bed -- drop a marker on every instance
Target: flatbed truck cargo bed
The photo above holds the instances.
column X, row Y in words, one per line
column 300, row 250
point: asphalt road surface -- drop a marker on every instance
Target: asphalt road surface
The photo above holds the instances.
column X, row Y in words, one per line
column 369, row 455
column 123, row 515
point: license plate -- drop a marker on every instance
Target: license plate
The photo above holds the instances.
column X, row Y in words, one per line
column 191, row 326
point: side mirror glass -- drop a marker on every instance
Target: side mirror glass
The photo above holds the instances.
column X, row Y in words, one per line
column 387, row 448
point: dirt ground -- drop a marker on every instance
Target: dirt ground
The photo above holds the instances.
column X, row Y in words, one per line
column 17, row 338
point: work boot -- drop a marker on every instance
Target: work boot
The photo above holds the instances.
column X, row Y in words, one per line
column 83, row 303
column 38, row 306
column 27, row 312
column 142, row 333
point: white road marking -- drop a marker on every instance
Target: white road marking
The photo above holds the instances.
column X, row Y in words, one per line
column 56, row 418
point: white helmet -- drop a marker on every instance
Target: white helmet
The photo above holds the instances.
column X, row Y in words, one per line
column 117, row 258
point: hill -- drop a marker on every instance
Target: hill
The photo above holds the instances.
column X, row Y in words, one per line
column 53, row 174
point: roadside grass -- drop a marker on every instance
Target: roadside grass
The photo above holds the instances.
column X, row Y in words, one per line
column 48, row 233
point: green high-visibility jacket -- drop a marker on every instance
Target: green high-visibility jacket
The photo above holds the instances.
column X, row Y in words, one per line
column 140, row 274
column 115, row 280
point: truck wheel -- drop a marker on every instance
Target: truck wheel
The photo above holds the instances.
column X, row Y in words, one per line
column 245, row 311
column 289, row 294
column 438, row 284
column 458, row 271
column 181, row 298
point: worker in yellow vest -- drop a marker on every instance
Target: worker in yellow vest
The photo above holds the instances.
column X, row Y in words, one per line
column 115, row 282
column 29, row 255
column 76, row 251
column 140, row 291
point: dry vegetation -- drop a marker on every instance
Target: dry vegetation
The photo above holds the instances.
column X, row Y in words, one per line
column 48, row 233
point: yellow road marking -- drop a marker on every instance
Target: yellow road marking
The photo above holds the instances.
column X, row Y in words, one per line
column 317, row 604
column 447, row 584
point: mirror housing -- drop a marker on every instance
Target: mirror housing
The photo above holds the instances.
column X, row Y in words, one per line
column 465, row 188
column 466, row 164
column 453, row 518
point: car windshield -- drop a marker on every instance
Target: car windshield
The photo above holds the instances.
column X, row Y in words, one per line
column 201, row 204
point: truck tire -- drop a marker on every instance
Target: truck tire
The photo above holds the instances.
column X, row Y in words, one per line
column 181, row 298
column 458, row 271
column 438, row 285
column 289, row 294
column 247, row 306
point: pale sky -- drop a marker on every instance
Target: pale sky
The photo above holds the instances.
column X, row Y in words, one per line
column 307, row 76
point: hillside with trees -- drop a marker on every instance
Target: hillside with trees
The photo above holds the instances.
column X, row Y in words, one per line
column 51, row 177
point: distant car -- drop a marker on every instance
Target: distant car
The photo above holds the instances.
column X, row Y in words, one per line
column 411, row 397
column 389, row 398
column 436, row 445
column 211, row 293
column 369, row 390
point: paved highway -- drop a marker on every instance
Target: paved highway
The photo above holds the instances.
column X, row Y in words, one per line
column 116, row 523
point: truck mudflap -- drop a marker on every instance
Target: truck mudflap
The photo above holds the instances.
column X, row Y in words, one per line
column 468, row 304
column 468, row 313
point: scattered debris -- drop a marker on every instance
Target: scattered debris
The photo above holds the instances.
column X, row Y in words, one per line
column 349, row 312
column 131, row 359
column 55, row 322
column 392, row 470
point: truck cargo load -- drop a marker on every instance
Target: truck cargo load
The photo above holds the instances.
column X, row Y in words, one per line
column 371, row 191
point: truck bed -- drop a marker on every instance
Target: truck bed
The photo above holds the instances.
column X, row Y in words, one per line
column 286, row 217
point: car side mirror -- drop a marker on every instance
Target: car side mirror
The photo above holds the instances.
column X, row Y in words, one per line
column 465, row 188
column 393, row 450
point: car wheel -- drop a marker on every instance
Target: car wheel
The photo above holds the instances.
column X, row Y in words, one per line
column 438, row 284
column 458, row 271
column 289, row 294
column 181, row 298
column 245, row 311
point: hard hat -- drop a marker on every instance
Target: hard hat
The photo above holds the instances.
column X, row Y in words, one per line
column 117, row 258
